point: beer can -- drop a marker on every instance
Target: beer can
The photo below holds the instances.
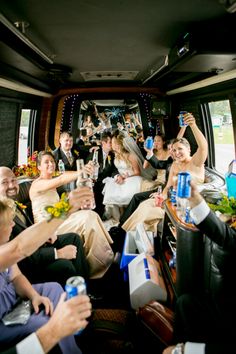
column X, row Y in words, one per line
column 173, row 197
column 181, row 119
column 183, row 186
column 149, row 142
column 75, row 286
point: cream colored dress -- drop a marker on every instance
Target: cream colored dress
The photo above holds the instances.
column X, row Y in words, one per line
column 88, row 225
column 148, row 214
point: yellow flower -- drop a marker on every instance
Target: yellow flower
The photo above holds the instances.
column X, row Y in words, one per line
column 76, row 152
column 21, row 205
column 59, row 209
column 29, row 170
column 109, row 159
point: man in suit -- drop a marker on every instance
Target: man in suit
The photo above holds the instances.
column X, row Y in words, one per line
column 58, row 259
column 106, row 169
column 66, row 153
column 206, row 322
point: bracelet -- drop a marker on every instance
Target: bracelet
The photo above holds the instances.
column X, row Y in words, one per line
column 60, row 209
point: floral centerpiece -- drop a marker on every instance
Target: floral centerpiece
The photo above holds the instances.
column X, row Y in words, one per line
column 28, row 170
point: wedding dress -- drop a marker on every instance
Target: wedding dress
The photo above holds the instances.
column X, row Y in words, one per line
column 121, row 194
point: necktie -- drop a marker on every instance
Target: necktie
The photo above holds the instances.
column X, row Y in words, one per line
column 20, row 215
column 69, row 158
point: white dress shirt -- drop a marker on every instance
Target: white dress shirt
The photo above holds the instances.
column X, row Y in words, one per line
column 30, row 344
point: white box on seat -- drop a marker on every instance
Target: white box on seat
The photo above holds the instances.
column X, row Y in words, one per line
column 133, row 246
column 145, row 281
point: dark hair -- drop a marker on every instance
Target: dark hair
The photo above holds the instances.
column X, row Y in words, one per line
column 139, row 129
column 162, row 136
column 44, row 153
column 105, row 135
column 83, row 132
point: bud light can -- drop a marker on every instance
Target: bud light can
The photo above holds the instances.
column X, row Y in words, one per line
column 181, row 119
column 183, row 186
column 187, row 216
column 173, row 197
column 75, row 286
column 149, row 142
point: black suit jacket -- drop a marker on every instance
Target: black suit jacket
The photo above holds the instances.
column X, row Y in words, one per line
column 45, row 254
column 220, row 246
column 59, row 155
column 109, row 170
column 219, row 232
column 161, row 164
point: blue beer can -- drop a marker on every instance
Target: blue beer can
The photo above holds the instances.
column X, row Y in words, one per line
column 181, row 119
column 183, row 186
column 149, row 142
column 187, row 216
column 173, row 199
column 75, row 286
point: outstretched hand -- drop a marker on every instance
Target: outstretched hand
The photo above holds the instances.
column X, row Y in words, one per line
column 196, row 197
column 79, row 197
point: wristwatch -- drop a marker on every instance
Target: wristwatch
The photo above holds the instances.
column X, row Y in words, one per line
column 178, row 349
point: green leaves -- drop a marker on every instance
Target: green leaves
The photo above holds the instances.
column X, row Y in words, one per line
column 225, row 205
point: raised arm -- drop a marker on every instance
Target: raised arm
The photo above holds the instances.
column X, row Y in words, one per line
column 36, row 235
column 43, row 185
column 181, row 132
column 27, row 242
column 200, row 155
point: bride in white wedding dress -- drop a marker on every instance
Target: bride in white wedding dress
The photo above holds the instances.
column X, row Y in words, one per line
column 118, row 191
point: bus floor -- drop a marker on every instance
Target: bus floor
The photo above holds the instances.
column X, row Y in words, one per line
column 114, row 326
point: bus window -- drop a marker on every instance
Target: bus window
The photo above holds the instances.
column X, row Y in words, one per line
column 23, row 136
column 223, row 134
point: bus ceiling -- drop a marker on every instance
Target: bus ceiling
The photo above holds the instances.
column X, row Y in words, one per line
column 57, row 45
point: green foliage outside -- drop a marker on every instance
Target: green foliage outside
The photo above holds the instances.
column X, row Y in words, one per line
column 25, row 116
column 223, row 134
column 219, row 108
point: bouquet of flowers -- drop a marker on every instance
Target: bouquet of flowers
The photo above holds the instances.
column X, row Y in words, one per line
column 29, row 170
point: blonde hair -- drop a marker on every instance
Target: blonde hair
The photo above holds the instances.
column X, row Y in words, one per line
column 123, row 153
column 7, row 210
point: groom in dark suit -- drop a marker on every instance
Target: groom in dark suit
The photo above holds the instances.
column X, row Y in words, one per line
column 59, row 259
column 106, row 169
